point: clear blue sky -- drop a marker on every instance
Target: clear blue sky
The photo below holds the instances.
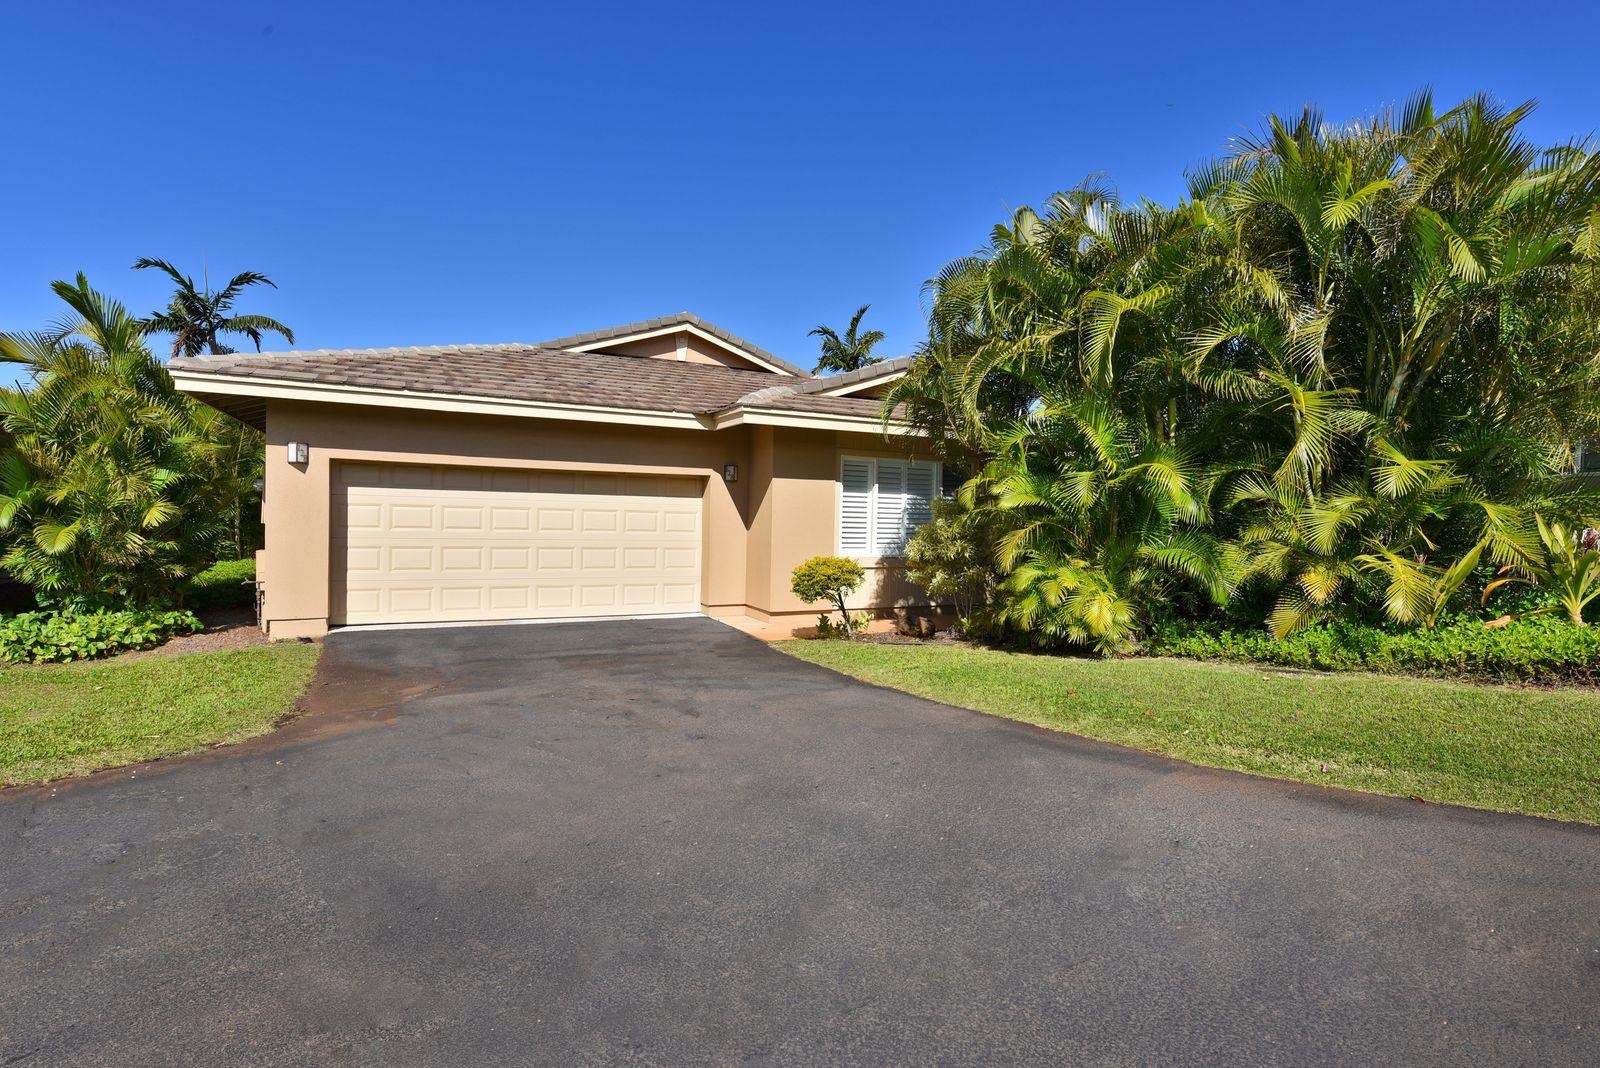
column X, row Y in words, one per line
column 416, row 174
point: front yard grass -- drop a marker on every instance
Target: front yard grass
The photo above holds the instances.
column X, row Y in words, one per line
column 76, row 718
column 1495, row 747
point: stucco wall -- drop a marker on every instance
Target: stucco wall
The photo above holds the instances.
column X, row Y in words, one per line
column 782, row 510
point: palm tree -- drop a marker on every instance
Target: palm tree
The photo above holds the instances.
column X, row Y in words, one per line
column 196, row 317
column 849, row 352
column 114, row 487
column 1372, row 344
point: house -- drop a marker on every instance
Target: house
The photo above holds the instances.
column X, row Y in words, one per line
column 661, row 467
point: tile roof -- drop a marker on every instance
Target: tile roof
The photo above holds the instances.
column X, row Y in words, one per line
column 540, row 373
column 665, row 321
column 860, row 374
column 514, row 372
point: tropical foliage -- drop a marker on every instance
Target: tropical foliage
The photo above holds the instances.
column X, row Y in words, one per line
column 114, row 488
column 1350, row 364
column 197, row 317
column 849, row 351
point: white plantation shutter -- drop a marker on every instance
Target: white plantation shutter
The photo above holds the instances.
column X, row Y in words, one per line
column 922, row 485
column 889, row 510
column 881, row 502
column 855, row 507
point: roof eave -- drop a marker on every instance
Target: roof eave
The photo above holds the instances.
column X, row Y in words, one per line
column 208, row 385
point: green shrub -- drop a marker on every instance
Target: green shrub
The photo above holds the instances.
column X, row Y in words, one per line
column 54, row 637
column 1530, row 650
column 225, row 584
column 827, row 628
column 952, row 557
column 831, row 579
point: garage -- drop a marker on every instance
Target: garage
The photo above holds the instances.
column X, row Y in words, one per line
column 417, row 544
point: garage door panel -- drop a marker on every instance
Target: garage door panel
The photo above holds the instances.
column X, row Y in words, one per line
column 515, row 598
column 558, row 519
column 457, row 517
column 511, row 520
column 598, row 558
column 420, row 543
column 553, row 597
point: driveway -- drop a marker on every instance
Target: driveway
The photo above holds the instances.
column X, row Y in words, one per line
column 664, row 843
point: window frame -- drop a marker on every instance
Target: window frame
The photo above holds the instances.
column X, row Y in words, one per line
column 872, row 502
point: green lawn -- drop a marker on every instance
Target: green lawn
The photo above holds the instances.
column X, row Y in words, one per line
column 77, row 718
column 1516, row 750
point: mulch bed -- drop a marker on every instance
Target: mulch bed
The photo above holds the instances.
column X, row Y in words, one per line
column 226, row 628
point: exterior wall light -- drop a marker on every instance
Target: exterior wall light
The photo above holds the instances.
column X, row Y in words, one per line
column 730, row 472
column 299, row 452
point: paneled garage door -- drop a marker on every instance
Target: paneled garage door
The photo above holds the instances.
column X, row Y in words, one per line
column 424, row 544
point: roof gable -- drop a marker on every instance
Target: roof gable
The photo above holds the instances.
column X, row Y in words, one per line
column 683, row 337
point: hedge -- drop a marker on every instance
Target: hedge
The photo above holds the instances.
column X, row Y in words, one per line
column 1541, row 649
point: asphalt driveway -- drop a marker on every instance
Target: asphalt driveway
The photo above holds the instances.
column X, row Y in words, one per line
column 666, row 843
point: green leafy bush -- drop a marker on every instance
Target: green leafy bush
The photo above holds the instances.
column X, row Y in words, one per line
column 1530, row 650
column 831, row 579
column 953, row 557
column 55, row 637
column 827, row 628
column 225, row 584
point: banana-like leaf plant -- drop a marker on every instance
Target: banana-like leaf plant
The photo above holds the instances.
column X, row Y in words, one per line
column 1569, row 567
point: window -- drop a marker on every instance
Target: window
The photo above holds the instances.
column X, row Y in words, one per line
column 1588, row 458
column 881, row 502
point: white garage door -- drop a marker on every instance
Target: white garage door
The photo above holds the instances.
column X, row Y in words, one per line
column 424, row 544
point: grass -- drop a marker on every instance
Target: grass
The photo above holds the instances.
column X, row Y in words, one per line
column 77, row 718
column 1495, row 747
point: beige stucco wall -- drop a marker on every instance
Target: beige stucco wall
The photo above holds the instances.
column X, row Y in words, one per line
column 804, row 508
column 782, row 510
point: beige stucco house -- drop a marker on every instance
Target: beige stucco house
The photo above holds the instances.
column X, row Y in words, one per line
column 657, row 468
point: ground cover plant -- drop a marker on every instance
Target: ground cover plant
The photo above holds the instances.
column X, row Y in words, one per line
column 59, row 637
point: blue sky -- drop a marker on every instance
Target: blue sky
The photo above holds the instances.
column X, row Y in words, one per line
column 425, row 174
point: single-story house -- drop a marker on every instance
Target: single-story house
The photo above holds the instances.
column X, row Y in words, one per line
column 661, row 467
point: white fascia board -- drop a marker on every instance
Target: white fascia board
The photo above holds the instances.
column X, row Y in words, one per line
column 323, row 393
column 855, row 424
column 645, row 335
column 858, row 386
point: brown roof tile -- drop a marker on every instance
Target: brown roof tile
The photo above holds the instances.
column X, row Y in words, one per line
column 535, row 373
column 515, row 372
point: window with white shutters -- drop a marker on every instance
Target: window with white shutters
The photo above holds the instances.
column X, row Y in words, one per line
column 889, row 509
column 881, row 502
column 855, row 507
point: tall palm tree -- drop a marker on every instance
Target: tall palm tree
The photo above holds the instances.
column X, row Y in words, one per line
column 1371, row 343
column 197, row 317
column 850, row 351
